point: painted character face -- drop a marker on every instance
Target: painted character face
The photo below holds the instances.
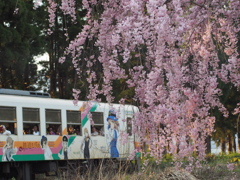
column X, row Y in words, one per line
column 111, row 124
column 9, row 143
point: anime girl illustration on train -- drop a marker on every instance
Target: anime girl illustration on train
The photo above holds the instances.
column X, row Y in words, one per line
column 65, row 149
column 45, row 147
column 9, row 150
column 86, row 144
column 113, row 133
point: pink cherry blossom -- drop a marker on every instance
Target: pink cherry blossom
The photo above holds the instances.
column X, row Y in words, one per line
column 172, row 51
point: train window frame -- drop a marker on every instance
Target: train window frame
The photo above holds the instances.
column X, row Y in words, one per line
column 11, row 125
column 73, row 126
column 98, row 126
column 55, row 125
column 28, row 125
column 129, row 126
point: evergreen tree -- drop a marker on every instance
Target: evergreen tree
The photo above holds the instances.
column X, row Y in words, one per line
column 61, row 77
column 21, row 39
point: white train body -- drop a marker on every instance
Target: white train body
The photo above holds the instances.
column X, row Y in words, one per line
column 72, row 125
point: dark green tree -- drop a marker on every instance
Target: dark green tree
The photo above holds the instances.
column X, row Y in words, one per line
column 20, row 40
column 227, row 127
column 61, row 77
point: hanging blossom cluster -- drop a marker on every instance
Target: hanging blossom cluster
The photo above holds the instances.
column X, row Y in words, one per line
column 172, row 49
column 237, row 110
column 51, row 10
column 68, row 7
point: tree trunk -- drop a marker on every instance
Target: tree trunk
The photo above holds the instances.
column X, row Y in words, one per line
column 208, row 142
column 52, row 75
column 3, row 76
column 223, row 145
column 63, row 84
column 234, row 144
column 238, row 142
column 26, row 84
column 230, row 146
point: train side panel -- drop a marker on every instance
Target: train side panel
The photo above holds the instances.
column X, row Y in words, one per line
column 112, row 139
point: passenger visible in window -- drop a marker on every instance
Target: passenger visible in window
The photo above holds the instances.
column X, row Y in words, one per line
column 4, row 131
column 29, row 131
column 78, row 132
column 71, row 131
column 51, row 132
column 94, row 131
column 1, row 129
column 35, row 130
column 59, row 130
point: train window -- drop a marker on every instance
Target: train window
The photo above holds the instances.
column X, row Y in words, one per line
column 129, row 126
column 98, row 128
column 8, row 118
column 53, row 121
column 31, row 121
column 74, row 122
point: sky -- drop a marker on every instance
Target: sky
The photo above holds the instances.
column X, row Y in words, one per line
column 39, row 58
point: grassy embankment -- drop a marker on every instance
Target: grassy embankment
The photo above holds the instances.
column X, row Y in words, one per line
column 216, row 167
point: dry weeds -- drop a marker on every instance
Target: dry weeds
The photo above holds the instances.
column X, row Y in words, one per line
column 109, row 171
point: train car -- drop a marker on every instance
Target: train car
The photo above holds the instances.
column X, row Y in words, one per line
column 39, row 133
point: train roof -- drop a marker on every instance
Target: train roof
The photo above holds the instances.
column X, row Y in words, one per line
column 24, row 93
column 51, row 103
